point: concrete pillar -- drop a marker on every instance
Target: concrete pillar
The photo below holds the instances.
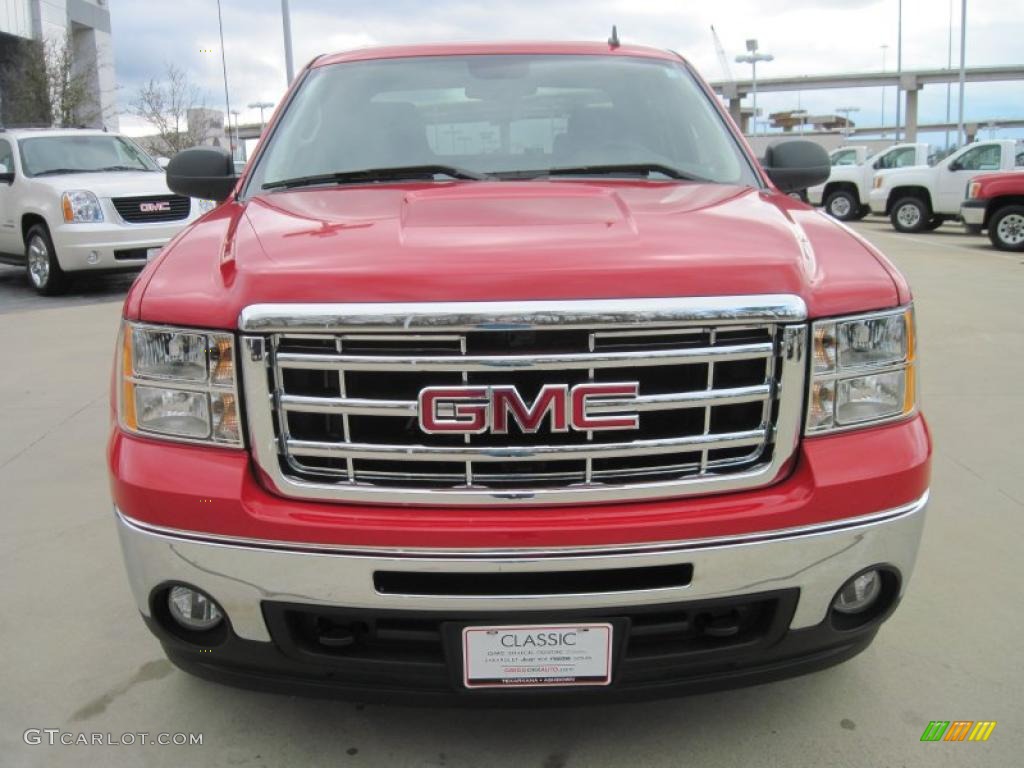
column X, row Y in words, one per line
column 735, row 110
column 911, row 116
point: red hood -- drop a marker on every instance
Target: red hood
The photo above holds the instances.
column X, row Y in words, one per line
column 510, row 240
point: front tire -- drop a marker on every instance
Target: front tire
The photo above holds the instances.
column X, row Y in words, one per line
column 44, row 272
column 910, row 214
column 1006, row 228
column 843, row 205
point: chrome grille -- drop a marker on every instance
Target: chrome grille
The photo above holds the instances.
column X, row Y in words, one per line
column 341, row 390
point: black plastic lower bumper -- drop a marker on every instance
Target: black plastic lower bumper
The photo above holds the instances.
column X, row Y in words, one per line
column 415, row 657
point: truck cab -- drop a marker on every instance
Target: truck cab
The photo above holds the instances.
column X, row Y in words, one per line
column 845, row 194
column 923, row 197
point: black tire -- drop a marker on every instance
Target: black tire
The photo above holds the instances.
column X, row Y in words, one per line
column 842, row 204
column 910, row 214
column 864, row 211
column 1006, row 228
column 41, row 265
column 972, row 229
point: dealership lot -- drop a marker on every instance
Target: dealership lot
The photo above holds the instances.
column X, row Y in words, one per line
column 77, row 658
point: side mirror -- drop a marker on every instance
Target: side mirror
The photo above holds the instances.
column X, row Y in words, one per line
column 6, row 174
column 204, row 172
column 955, row 166
column 797, row 164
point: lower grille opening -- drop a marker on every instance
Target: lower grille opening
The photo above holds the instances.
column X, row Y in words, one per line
column 535, row 583
column 131, row 254
column 422, row 649
column 708, row 628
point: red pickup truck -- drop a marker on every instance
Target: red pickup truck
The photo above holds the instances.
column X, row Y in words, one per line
column 505, row 372
column 995, row 201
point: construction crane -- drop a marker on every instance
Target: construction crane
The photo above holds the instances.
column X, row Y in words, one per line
column 729, row 90
column 722, row 58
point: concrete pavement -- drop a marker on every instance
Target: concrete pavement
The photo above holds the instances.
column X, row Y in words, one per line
column 76, row 656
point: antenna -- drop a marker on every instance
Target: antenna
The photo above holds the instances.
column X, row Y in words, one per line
column 613, row 41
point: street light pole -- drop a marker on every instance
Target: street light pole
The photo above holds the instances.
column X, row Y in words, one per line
column 846, row 111
column 261, row 105
column 963, row 59
column 949, row 65
column 899, row 66
column 752, row 58
column 286, row 22
column 237, row 142
column 885, row 48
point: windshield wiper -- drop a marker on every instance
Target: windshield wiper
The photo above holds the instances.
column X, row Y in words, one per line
column 53, row 171
column 623, row 169
column 123, row 168
column 377, row 174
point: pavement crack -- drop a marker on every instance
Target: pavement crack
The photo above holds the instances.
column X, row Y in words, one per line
column 51, row 430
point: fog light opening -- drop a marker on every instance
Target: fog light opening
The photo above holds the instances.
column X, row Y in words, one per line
column 193, row 610
column 859, row 593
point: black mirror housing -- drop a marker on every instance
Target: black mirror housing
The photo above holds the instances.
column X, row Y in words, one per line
column 797, row 164
column 204, row 172
column 7, row 178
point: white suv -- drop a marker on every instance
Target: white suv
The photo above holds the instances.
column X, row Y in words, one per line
column 76, row 200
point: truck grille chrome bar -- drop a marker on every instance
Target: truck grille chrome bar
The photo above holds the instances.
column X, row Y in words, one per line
column 333, row 398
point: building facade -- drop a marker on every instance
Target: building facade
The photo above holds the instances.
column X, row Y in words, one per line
column 85, row 24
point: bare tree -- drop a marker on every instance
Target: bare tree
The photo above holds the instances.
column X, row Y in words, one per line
column 174, row 107
column 46, row 85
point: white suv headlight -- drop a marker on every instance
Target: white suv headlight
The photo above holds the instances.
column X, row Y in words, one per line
column 863, row 371
column 178, row 383
column 204, row 206
column 81, row 207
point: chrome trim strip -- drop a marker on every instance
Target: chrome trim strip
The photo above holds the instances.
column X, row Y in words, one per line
column 526, row 452
column 448, row 363
column 356, row 406
column 528, row 553
column 595, row 314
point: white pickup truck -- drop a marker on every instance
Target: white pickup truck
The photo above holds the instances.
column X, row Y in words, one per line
column 922, row 198
column 845, row 194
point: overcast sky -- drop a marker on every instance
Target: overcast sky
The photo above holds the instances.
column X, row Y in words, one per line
column 806, row 37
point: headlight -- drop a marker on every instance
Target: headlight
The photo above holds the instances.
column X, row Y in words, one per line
column 973, row 189
column 179, row 383
column 863, row 371
column 205, row 206
column 81, row 207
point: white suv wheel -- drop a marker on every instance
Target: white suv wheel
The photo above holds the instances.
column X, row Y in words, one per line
column 38, row 262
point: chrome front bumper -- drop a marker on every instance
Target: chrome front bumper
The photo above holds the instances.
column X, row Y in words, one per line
column 973, row 214
column 241, row 575
column 92, row 246
column 877, row 199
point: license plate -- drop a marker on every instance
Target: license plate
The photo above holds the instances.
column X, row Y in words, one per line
column 152, row 253
column 535, row 656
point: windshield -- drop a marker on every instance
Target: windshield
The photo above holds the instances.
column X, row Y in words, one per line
column 507, row 116
column 89, row 153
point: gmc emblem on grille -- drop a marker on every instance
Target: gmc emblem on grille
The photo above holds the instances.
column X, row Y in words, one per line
column 475, row 410
column 161, row 206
